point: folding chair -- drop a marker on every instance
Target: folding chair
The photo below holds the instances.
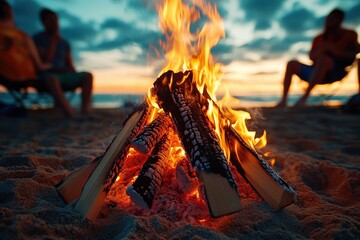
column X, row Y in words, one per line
column 19, row 91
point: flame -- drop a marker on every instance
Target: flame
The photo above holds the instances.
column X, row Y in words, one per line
column 186, row 50
column 191, row 50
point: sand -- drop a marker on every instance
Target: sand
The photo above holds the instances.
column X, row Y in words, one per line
column 317, row 151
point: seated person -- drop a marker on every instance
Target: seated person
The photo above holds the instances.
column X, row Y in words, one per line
column 20, row 61
column 332, row 51
column 56, row 50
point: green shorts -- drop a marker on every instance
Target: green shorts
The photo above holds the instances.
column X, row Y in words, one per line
column 68, row 81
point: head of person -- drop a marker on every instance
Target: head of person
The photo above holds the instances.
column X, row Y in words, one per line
column 334, row 19
column 49, row 20
column 5, row 11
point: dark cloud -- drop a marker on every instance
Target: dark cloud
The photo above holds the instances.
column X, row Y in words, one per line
column 299, row 20
column 353, row 15
column 26, row 14
column 223, row 52
column 275, row 47
column 127, row 33
column 260, row 11
column 75, row 29
column 222, row 48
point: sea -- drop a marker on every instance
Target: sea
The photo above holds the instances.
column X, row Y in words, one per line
column 127, row 100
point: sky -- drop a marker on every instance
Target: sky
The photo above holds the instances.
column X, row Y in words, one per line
column 113, row 39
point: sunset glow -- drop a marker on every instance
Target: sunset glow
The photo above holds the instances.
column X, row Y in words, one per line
column 117, row 41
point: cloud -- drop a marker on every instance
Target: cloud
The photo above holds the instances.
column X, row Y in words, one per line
column 260, row 11
column 75, row 29
column 353, row 16
column 275, row 47
column 298, row 20
column 127, row 33
column 26, row 14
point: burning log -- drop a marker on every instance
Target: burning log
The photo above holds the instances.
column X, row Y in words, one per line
column 104, row 175
column 271, row 187
column 147, row 184
column 146, row 140
column 186, row 177
column 177, row 95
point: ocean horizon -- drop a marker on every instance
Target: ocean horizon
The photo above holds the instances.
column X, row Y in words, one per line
column 108, row 100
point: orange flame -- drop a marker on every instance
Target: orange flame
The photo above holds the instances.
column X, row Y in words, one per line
column 191, row 51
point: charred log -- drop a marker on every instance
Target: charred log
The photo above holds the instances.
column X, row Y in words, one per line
column 198, row 139
column 146, row 140
column 177, row 95
column 147, row 184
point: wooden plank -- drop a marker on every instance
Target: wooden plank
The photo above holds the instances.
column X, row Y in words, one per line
column 271, row 187
column 71, row 186
column 222, row 199
column 96, row 188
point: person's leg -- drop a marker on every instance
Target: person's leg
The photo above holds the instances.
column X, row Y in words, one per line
column 292, row 67
column 321, row 68
column 54, row 88
column 86, row 92
column 358, row 73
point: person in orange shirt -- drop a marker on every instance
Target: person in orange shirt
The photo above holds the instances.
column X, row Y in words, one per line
column 20, row 61
column 331, row 52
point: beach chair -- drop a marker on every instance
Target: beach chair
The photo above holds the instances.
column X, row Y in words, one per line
column 19, row 89
column 331, row 89
column 19, row 92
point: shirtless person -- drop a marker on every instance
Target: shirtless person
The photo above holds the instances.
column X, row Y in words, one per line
column 331, row 52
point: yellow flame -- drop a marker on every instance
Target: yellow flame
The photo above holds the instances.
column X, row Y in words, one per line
column 187, row 50
column 272, row 162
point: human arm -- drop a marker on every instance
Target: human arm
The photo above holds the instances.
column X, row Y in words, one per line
column 47, row 54
column 317, row 49
column 345, row 49
column 69, row 62
column 358, row 73
column 40, row 65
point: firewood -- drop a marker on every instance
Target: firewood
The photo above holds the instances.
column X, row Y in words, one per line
column 146, row 140
column 144, row 189
column 71, row 186
column 177, row 94
column 271, row 187
column 104, row 175
column 186, row 177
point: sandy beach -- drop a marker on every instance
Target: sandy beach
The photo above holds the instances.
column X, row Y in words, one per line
column 316, row 150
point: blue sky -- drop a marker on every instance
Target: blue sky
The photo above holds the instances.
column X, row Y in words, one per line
column 112, row 38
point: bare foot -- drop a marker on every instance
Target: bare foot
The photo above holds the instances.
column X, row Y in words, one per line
column 300, row 104
column 281, row 105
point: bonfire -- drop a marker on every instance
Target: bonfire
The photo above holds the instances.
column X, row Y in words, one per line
column 181, row 139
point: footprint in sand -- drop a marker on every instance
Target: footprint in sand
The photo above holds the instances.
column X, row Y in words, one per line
column 333, row 184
